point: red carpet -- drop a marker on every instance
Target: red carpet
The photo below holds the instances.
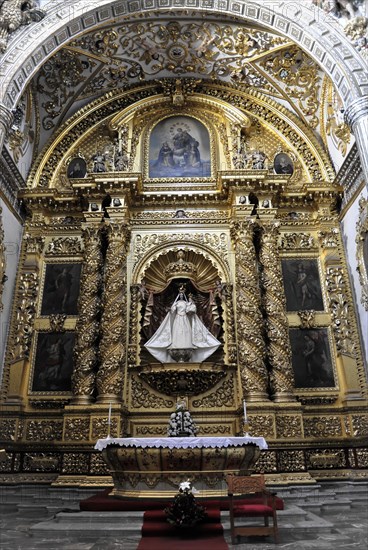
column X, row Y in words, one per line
column 158, row 534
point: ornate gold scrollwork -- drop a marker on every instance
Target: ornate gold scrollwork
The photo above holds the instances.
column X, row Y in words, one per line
column 251, row 347
column 362, row 249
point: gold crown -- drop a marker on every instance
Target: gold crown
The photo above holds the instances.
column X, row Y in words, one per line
column 180, row 268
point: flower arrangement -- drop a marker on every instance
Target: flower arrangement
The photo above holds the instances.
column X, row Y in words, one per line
column 184, row 511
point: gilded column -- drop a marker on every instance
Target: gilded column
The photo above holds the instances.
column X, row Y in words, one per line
column 277, row 327
column 87, row 328
column 110, row 377
column 251, row 346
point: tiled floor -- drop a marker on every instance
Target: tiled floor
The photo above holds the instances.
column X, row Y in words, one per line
column 330, row 516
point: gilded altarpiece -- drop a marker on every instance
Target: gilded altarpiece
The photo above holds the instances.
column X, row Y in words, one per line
column 256, row 250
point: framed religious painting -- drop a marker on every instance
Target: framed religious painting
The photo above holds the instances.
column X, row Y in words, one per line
column 283, row 164
column 61, row 289
column 179, row 147
column 302, row 284
column 53, row 362
column 77, row 168
column 311, row 358
column 362, row 250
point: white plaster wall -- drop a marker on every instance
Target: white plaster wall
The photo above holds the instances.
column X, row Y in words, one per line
column 12, row 239
column 349, row 233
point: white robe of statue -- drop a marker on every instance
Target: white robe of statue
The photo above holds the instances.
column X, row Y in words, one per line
column 182, row 329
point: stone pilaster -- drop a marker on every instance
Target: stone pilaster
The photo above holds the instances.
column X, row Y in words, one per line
column 250, row 341
column 356, row 116
column 277, row 328
column 87, row 328
column 110, row 377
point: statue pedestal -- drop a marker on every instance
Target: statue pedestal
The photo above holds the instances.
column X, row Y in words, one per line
column 154, row 467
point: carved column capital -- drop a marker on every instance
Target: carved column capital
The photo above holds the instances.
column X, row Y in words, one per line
column 357, row 110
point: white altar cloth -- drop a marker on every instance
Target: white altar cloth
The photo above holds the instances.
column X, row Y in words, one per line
column 181, row 442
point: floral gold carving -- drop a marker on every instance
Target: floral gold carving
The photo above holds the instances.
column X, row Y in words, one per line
column 149, row 431
column 330, row 238
column 100, row 428
column 251, row 347
column 114, row 321
column 361, row 241
column 288, row 426
column 133, row 323
column 322, row 426
column 222, row 397
column 76, row 429
column 360, row 424
column 98, row 466
column 57, row 321
column 291, row 241
column 33, row 243
column 267, row 462
column 64, row 246
column 41, row 462
column 87, row 328
column 339, row 305
column 7, row 429
column 362, row 458
column 326, row 458
column 279, row 350
column 44, row 430
column 179, row 382
column 262, row 425
column 291, row 461
column 142, row 397
column 307, row 318
column 75, row 463
column 21, row 336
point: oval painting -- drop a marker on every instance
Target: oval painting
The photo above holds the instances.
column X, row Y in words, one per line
column 77, row 168
column 179, row 147
column 282, row 164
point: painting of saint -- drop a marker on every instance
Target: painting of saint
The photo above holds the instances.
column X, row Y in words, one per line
column 77, row 168
column 179, row 147
column 311, row 358
column 61, row 289
column 302, row 285
column 53, row 364
column 283, row 164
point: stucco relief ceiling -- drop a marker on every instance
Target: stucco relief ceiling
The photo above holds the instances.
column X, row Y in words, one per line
column 159, row 47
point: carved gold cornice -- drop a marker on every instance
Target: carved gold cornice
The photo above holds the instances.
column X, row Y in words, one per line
column 277, row 118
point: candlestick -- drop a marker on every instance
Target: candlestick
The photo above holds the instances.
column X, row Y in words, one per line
column 109, row 421
column 245, row 411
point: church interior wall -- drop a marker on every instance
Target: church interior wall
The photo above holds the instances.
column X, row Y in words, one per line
column 147, row 191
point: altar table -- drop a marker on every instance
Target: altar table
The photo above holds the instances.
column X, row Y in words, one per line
column 155, row 466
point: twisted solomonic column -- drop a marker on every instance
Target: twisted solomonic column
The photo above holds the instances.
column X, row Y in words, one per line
column 277, row 328
column 87, row 328
column 110, row 377
column 251, row 346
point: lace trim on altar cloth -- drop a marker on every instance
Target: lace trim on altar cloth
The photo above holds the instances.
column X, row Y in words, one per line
column 181, row 442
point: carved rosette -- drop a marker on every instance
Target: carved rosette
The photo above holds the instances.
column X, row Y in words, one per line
column 114, row 320
column 251, row 346
column 87, row 328
column 277, row 328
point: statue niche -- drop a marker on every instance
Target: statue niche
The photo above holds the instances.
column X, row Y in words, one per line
column 181, row 322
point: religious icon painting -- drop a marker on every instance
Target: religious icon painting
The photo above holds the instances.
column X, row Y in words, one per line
column 53, row 362
column 311, row 358
column 282, row 164
column 77, row 168
column 302, row 285
column 61, row 289
column 179, row 147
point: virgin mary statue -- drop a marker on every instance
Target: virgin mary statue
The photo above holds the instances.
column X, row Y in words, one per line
column 182, row 330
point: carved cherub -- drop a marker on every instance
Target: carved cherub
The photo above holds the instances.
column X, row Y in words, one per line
column 14, row 14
